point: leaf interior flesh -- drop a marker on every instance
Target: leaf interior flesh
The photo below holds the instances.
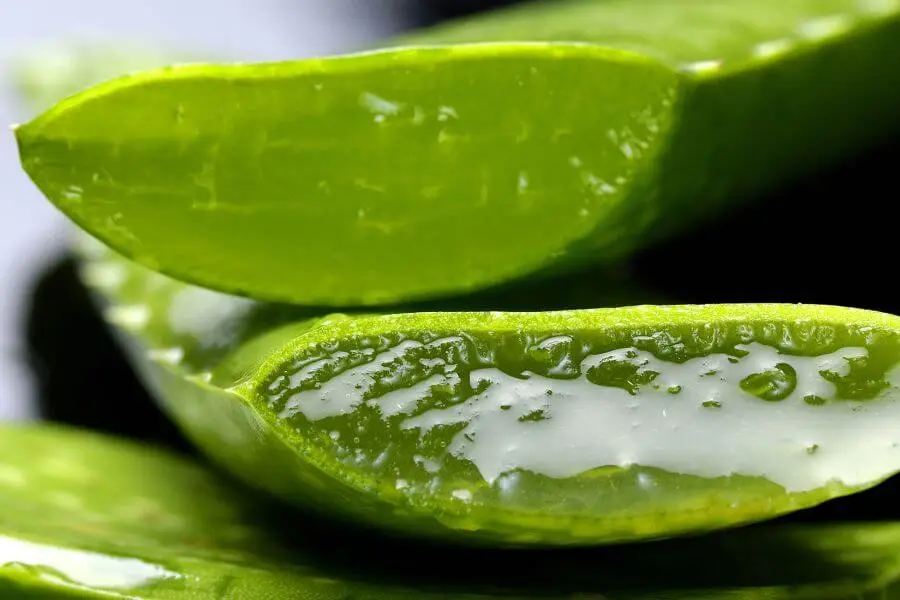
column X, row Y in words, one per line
column 566, row 427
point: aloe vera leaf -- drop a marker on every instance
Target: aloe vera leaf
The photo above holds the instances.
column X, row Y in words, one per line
column 573, row 427
column 87, row 516
column 41, row 81
column 90, row 517
column 576, row 132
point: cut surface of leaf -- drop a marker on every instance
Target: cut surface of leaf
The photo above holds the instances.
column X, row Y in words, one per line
column 572, row 427
column 528, row 142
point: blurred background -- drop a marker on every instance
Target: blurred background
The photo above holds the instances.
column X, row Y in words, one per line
column 825, row 239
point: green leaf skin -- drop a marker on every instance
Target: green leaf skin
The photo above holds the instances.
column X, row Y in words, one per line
column 528, row 142
column 561, row 428
column 88, row 517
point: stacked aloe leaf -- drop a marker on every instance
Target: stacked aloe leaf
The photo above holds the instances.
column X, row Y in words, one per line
column 313, row 267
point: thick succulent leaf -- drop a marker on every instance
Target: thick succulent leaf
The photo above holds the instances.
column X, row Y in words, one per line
column 692, row 35
column 92, row 517
column 571, row 132
column 87, row 517
column 571, row 427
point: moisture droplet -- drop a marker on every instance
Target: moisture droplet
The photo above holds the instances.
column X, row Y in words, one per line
column 824, row 27
column 131, row 317
column 616, row 369
column 169, row 356
column 772, row 385
column 534, row 416
column 523, row 182
column 814, row 400
column 378, row 105
column 772, row 48
column 554, row 355
column 464, row 495
column 73, row 193
column 447, row 112
column 703, row 66
column 428, row 464
column 645, row 481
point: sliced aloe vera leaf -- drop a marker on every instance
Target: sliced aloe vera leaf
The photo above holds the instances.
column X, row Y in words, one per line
column 574, row 427
column 90, row 517
column 349, row 118
column 575, row 132
column 42, row 80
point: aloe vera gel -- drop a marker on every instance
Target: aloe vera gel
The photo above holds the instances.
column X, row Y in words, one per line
column 595, row 425
column 579, row 425
column 293, row 257
column 567, row 427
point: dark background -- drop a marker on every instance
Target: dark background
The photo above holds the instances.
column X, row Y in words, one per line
column 826, row 239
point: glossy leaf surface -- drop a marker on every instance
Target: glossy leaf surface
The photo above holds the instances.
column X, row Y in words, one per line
column 571, row 132
column 572, row 427
column 86, row 516
column 90, row 518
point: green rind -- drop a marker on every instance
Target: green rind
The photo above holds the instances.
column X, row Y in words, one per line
column 719, row 102
column 734, row 35
column 213, row 359
column 771, row 88
column 62, row 538
column 832, row 562
column 86, row 516
column 436, row 107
